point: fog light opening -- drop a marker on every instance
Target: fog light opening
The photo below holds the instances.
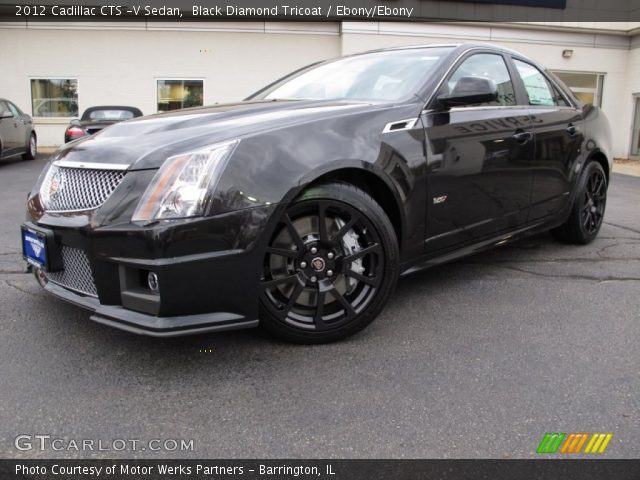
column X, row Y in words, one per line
column 153, row 283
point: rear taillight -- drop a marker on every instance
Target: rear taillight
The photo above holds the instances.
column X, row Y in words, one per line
column 75, row 132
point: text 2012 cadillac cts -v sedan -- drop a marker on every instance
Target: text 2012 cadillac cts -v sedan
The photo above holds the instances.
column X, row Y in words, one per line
column 298, row 208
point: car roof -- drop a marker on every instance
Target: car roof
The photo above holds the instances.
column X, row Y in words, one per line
column 461, row 48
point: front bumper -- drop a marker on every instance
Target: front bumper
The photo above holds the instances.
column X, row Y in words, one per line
column 208, row 271
column 135, row 322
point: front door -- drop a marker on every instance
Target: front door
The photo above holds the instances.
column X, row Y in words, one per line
column 10, row 131
column 478, row 160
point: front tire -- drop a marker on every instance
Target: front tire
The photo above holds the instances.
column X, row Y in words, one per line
column 32, row 148
column 587, row 212
column 330, row 266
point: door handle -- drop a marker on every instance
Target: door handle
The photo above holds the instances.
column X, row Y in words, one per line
column 522, row 137
column 572, row 130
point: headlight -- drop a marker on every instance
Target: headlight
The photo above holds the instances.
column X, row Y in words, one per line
column 179, row 189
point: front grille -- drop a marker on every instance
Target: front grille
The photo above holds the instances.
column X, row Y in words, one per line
column 76, row 274
column 67, row 189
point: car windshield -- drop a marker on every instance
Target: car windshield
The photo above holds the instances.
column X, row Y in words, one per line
column 110, row 115
column 379, row 76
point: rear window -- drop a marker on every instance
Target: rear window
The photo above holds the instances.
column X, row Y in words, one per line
column 110, row 115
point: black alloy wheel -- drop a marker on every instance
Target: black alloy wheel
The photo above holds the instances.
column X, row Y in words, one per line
column 593, row 202
column 587, row 213
column 329, row 267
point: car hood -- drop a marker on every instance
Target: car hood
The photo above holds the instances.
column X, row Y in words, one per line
column 145, row 142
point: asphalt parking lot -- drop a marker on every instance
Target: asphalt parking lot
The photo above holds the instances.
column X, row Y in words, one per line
column 478, row 358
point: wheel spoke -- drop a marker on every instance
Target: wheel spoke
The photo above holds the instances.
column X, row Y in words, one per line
column 598, row 185
column 283, row 252
column 292, row 300
column 279, row 281
column 317, row 318
column 295, row 236
column 322, row 222
column 373, row 281
column 348, row 308
column 375, row 248
column 345, row 228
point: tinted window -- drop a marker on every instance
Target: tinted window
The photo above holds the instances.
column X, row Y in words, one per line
column 487, row 65
column 110, row 115
column 14, row 109
column 387, row 75
column 4, row 107
column 535, row 83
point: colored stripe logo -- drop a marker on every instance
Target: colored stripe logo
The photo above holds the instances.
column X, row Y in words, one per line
column 556, row 442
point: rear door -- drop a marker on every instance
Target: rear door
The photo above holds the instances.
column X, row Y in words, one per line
column 478, row 159
column 558, row 130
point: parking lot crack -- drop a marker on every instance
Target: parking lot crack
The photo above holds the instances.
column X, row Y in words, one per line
column 591, row 278
column 20, row 289
column 563, row 260
column 623, row 227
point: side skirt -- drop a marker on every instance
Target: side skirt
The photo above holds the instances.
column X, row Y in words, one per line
column 425, row 262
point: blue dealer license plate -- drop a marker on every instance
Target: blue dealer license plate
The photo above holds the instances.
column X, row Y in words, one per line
column 34, row 247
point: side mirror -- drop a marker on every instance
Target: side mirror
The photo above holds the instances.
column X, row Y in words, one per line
column 470, row 91
column 6, row 114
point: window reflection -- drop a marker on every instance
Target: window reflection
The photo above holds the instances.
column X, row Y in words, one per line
column 177, row 94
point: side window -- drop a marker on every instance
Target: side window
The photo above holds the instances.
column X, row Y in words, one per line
column 4, row 107
column 538, row 89
column 13, row 109
column 488, row 65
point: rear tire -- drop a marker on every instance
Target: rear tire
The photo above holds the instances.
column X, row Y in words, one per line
column 330, row 266
column 588, row 208
column 32, row 148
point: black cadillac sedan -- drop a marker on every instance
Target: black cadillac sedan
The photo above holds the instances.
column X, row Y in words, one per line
column 298, row 208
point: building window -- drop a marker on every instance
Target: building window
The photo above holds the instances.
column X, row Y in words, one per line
column 586, row 86
column 177, row 94
column 54, row 97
